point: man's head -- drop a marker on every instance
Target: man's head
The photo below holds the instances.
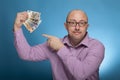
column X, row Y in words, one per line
column 76, row 24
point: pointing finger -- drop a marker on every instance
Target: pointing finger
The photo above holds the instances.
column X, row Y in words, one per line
column 46, row 35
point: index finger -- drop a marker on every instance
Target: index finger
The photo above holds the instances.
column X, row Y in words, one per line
column 46, row 35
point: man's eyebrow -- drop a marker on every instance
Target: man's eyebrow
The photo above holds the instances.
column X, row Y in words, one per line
column 71, row 20
column 75, row 20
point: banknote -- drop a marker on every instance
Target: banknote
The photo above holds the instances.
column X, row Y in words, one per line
column 33, row 20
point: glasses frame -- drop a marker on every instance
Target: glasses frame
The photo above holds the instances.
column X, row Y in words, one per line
column 74, row 23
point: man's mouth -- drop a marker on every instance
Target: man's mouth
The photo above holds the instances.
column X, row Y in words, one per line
column 76, row 33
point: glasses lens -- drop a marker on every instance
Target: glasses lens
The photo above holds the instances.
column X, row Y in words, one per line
column 82, row 23
column 71, row 23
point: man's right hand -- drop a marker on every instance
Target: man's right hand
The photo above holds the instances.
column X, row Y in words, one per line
column 20, row 19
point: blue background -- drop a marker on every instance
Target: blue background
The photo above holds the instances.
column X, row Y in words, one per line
column 104, row 17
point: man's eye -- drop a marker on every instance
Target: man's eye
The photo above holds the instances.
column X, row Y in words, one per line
column 72, row 22
column 82, row 23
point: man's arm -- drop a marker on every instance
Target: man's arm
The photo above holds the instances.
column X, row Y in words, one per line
column 25, row 51
column 83, row 69
column 79, row 69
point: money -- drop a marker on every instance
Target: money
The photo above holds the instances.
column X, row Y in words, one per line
column 33, row 20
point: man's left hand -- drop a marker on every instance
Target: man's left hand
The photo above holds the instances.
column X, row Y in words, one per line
column 54, row 42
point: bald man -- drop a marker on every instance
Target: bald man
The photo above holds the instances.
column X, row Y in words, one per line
column 74, row 57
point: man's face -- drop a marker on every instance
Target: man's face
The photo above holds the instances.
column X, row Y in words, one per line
column 76, row 25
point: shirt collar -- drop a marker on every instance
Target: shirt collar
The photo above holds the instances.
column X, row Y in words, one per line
column 84, row 42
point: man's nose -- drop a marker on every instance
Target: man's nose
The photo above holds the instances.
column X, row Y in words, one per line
column 77, row 27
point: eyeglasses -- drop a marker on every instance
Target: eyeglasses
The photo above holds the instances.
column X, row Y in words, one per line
column 74, row 23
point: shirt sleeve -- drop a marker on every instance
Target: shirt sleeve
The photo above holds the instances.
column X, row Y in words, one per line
column 27, row 52
column 83, row 69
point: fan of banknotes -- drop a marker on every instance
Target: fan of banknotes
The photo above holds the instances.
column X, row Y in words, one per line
column 33, row 20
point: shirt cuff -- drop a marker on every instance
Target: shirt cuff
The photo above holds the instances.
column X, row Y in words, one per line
column 18, row 32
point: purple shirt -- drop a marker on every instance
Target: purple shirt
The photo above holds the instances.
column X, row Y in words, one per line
column 69, row 63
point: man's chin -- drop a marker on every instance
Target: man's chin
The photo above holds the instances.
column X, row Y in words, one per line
column 77, row 38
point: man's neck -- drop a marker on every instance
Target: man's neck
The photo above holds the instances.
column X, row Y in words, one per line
column 74, row 42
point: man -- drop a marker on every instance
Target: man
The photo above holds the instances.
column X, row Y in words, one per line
column 75, row 57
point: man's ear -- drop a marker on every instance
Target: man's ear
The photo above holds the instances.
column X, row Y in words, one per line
column 65, row 25
column 87, row 25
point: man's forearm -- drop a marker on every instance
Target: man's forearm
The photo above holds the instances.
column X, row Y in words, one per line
column 80, row 69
